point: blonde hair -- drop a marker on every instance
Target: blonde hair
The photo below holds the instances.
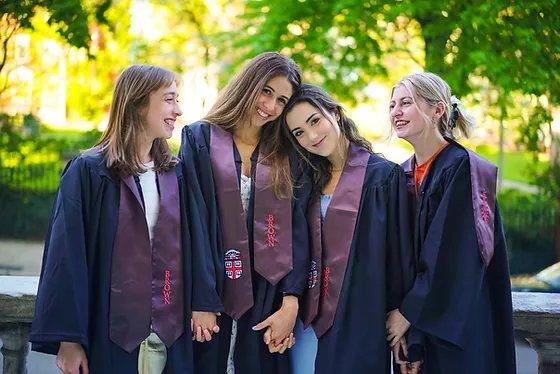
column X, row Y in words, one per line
column 433, row 89
column 120, row 142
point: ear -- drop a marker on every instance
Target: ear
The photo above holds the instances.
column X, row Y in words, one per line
column 440, row 110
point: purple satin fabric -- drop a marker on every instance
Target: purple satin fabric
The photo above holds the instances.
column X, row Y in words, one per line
column 238, row 290
column 147, row 281
column 272, row 229
column 272, row 225
column 483, row 185
column 311, row 301
column 338, row 232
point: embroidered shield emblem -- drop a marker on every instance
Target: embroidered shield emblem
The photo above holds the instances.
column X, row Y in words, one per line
column 233, row 264
column 313, row 274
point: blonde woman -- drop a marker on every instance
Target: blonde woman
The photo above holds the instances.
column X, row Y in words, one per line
column 459, row 307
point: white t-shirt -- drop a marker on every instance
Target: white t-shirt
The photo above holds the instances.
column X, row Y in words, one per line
column 151, row 196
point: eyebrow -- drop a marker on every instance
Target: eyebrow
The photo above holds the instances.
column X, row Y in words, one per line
column 306, row 121
column 272, row 89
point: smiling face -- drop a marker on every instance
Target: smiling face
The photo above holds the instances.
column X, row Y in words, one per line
column 161, row 112
column 315, row 131
column 412, row 117
column 272, row 100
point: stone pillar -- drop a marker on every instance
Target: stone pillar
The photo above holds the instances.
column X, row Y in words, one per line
column 15, row 337
column 536, row 317
column 548, row 352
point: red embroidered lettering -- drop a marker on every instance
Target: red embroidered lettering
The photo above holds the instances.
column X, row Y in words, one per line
column 484, row 209
column 167, row 287
column 326, row 279
column 270, row 231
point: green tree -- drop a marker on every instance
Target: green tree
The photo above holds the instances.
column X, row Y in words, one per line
column 68, row 18
column 345, row 44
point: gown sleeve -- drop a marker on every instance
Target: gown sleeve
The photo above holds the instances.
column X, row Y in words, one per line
column 61, row 310
column 450, row 270
column 400, row 254
column 205, row 289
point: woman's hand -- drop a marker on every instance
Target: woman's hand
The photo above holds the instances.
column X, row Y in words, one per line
column 203, row 325
column 71, row 358
column 281, row 348
column 396, row 326
column 280, row 324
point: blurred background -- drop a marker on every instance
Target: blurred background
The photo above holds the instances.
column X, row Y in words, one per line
column 59, row 60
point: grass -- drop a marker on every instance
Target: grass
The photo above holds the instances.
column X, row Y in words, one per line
column 518, row 165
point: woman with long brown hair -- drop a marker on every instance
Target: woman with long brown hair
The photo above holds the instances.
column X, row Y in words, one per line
column 257, row 225
column 361, row 260
column 118, row 282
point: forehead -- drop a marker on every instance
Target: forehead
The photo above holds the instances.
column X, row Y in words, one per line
column 281, row 85
column 171, row 89
column 299, row 114
column 400, row 91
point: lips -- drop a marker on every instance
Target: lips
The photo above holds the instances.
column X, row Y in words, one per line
column 170, row 123
column 319, row 143
column 400, row 123
column 262, row 113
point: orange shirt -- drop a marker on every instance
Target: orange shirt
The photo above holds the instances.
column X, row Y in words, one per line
column 420, row 171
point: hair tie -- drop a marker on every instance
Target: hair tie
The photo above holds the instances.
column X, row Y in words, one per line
column 454, row 116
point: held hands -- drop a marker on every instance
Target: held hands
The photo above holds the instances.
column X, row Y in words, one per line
column 396, row 326
column 278, row 334
column 203, row 325
column 405, row 366
column 71, row 358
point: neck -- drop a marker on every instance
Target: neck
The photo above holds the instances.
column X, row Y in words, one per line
column 247, row 134
column 145, row 146
column 339, row 155
column 425, row 147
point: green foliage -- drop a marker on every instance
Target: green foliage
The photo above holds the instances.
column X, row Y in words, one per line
column 343, row 43
column 68, row 17
column 528, row 221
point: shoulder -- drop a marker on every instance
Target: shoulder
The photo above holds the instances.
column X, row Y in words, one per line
column 197, row 134
column 451, row 159
column 380, row 171
column 198, row 127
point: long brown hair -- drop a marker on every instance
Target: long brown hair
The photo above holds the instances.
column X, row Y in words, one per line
column 120, row 142
column 236, row 103
column 322, row 101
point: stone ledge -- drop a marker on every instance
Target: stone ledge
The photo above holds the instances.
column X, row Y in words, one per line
column 17, row 298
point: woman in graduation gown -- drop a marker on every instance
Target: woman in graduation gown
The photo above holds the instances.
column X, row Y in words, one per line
column 459, row 308
column 257, row 226
column 362, row 260
column 124, row 254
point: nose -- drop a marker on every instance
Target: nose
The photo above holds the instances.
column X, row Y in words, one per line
column 395, row 111
column 178, row 111
column 312, row 135
column 269, row 104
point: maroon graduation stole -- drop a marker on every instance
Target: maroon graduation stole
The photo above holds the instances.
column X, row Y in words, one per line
column 483, row 195
column 339, row 226
column 311, row 301
column 483, row 187
column 272, row 235
column 147, row 281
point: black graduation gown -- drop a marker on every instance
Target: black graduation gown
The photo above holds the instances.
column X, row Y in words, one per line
column 379, row 272
column 74, row 287
column 460, row 310
column 251, row 354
